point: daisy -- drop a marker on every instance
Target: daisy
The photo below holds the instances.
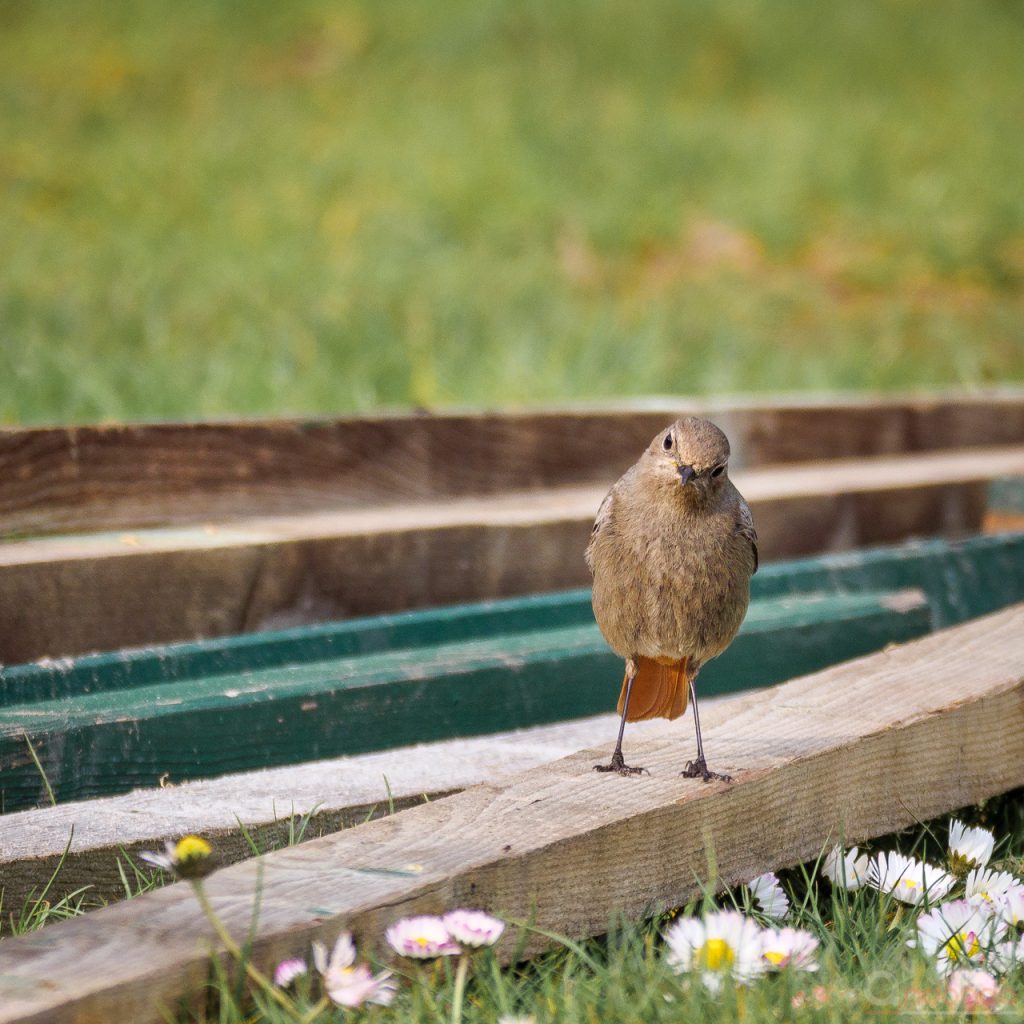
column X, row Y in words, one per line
column 720, row 945
column 991, row 887
column 846, row 869
column 189, row 857
column 473, row 928
column 1010, row 906
column 957, row 934
column 348, row 983
column 767, row 894
column 789, row 947
column 968, row 847
column 972, row 990
column 422, row 938
column 288, row 970
column 908, row 880
column 1007, row 955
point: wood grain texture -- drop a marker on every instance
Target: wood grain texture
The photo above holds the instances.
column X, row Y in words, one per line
column 858, row 750
column 127, row 476
column 960, row 579
column 331, row 794
column 70, row 594
column 95, row 744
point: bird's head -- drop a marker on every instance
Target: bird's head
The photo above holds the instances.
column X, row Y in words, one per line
column 692, row 454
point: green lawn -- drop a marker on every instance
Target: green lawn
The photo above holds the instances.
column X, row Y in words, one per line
column 214, row 208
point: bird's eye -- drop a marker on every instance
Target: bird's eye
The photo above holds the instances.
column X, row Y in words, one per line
column 718, row 471
column 667, row 443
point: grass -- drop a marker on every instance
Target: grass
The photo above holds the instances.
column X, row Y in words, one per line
column 315, row 207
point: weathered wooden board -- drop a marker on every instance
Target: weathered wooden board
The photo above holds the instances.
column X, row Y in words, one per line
column 816, row 758
column 89, row 840
column 960, row 579
column 121, row 476
column 111, row 741
column 67, row 595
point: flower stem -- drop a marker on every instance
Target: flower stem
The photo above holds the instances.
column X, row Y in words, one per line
column 257, row 976
column 460, row 988
column 315, row 1011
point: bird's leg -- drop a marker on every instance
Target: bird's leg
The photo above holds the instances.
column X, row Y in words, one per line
column 699, row 767
column 617, row 763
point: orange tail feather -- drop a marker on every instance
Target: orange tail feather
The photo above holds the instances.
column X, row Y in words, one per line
column 661, row 689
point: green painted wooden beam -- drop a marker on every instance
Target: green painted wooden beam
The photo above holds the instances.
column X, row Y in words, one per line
column 108, row 742
column 1007, row 495
column 961, row 580
column 103, row 723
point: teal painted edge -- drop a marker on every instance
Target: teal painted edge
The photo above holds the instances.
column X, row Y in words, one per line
column 960, row 579
column 1006, row 495
column 100, row 744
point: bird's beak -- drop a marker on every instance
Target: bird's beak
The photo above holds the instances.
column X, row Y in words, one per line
column 685, row 474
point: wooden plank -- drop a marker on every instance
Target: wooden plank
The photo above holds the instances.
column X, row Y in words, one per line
column 816, row 758
column 120, row 476
column 109, row 742
column 331, row 794
column 67, row 595
column 960, row 580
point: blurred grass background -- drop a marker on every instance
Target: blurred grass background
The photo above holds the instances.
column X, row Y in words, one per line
column 213, row 208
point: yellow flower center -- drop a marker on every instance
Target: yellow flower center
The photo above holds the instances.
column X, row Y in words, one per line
column 421, row 941
column 962, row 946
column 715, row 955
column 774, row 957
column 960, row 863
column 191, row 848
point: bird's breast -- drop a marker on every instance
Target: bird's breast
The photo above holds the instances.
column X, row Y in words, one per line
column 670, row 589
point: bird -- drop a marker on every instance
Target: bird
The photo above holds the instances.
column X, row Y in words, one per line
column 672, row 552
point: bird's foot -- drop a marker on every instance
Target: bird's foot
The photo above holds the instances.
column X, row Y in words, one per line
column 619, row 765
column 699, row 769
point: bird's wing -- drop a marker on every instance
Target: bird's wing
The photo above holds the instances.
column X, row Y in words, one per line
column 745, row 528
column 603, row 515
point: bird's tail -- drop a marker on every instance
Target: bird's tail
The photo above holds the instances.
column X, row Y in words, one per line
column 660, row 690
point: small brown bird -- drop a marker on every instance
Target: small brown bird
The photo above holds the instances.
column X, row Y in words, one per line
column 672, row 552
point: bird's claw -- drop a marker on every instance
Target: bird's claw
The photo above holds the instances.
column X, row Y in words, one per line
column 699, row 769
column 619, row 765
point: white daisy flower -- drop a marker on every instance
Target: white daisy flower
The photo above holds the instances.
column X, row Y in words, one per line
column 422, row 937
column 473, row 928
column 288, row 970
column 190, row 857
column 846, row 869
column 1010, row 906
column 767, row 894
column 974, row 991
column 348, row 983
column 991, row 887
column 968, row 847
column 957, row 934
column 720, row 945
column 908, row 880
column 1007, row 955
column 789, row 947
